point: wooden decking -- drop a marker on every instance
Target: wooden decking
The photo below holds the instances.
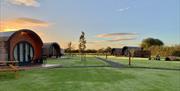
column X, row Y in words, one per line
column 9, row 66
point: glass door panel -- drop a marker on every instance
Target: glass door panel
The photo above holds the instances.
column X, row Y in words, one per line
column 21, row 56
column 23, row 52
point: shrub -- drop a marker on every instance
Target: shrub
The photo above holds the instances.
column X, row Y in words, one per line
column 165, row 50
column 176, row 53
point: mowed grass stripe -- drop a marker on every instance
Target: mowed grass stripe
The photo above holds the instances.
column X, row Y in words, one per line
column 92, row 79
column 144, row 62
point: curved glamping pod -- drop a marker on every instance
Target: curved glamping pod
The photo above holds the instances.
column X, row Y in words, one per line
column 51, row 50
column 24, row 46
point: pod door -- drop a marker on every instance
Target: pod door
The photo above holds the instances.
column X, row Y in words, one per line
column 53, row 51
column 24, row 53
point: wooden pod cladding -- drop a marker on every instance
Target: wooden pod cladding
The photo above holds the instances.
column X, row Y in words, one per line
column 51, row 50
column 24, row 46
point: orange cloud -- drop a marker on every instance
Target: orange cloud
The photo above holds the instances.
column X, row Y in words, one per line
column 20, row 23
column 104, row 44
column 117, row 37
column 114, row 34
column 95, row 42
column 121, row 39
column 111, row 40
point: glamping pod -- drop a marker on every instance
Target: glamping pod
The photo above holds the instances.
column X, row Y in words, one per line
column 24, row 46
column 138, row 52
column 142, row 53
column 51, row 50
column 62, row 52
column 126, row 49
column 116, row 51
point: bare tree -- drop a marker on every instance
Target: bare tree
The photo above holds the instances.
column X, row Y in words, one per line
column 129, row 54
column 82, row 46
column 69, row 49
column 132, row 51
column 107, row 51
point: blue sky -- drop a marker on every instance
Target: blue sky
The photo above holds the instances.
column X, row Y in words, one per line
column 132, row 20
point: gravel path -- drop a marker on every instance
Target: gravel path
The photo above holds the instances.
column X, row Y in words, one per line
column 118, row 65
column 113, row 64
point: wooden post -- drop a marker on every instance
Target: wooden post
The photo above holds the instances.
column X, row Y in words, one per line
column 106, row 55
column 81, row 56
column 85, row 57
column 15, row 69
column 129, row 58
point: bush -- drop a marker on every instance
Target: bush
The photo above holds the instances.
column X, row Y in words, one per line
column 176, row 53
column 172, row 58
column 165, row 50
column 167, row 59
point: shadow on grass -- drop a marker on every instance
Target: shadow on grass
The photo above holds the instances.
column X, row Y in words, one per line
column 85, row 66
column 118, row 65
column 80, row 66
column 157, row 68
column 113, row 64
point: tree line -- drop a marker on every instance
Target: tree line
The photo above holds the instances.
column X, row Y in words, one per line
column 155, row 46
column 101, row 50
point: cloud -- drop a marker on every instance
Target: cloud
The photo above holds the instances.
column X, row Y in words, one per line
column 115, row 35
column 32, row 3
column 121, row 39
column 103, row 44
column 123, row 9
column 111, row 40
column 30, row 22
column 23, row 22
column 95, row 42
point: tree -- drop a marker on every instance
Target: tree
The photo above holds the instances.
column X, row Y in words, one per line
column 129, row 54
column 82, row 45
column 91, row 51
column 108, row 51
column 101, row 50
column 132, row 51
column 69, row 49
column 165, row 50
column 147, row 43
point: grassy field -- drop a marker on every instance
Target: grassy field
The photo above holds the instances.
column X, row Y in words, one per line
column 76, row 61
column 144, row 62
column 96, row 78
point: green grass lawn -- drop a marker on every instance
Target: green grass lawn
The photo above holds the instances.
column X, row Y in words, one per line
column 144, row 62
column 90, row 78
column 76, row 61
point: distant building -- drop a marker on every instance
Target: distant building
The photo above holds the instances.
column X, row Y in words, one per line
column 126, row 49
column 137, row 51
column 142, row 53
column 116, row 51
column 24, row 46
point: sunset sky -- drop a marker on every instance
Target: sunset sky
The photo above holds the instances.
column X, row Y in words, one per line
column 112, row 23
